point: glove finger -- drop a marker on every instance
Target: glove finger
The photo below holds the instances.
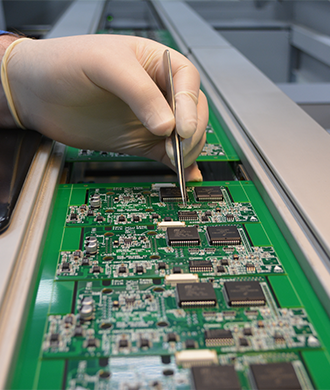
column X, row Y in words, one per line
column 186, row 86
column 189, row 145
column 192, row 172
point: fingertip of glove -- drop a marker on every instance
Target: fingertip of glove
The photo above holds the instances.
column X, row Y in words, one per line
column 161, row 124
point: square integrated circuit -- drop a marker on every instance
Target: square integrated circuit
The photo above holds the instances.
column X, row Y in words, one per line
column 244, row 293
column 215, row 378
column 185, row 236
column 205, row 194
column 275, row 376
column 196, row 294
column 170, row 194
column 223, row 235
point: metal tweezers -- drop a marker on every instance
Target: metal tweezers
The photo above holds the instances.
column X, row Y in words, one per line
column 176, row 139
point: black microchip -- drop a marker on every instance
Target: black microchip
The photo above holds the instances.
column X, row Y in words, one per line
column 91, row 343
column 275, row 376
column 65, row 266
column 190, row 344
column 243, row 342
column 170, row 194
column 139, row 269
column 54, row 339
column 78, row 332
column 224, row 262
column 85, row 261
column 99, row 218
column 171, row 337
column 200, row 266
column 215, row 378
column 223, row 235
column 123, row 344
column 247, row 332
column 221, row 269
column 96, row 269
column 244, row 293
column 177, row 270
column 204, row 218
column 122, row 269
column 185, row 236
column 73, row 217
column 204, row 194
column 121, row 218
column 167, row 219
column 187, row 215
column 155, row 216
column 144, row 343
column 162, row 265
column 230, row 217
column 218, row 337
column 196, row 294
column 136, row 218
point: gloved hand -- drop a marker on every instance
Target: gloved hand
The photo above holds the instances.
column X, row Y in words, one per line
column 104, row 92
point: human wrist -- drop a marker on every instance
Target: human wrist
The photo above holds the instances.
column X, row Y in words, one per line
column 6, row 118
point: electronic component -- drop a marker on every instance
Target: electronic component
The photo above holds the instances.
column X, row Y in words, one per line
column 204, row 194
column 200, row 266
column 223, row 235
column 158, row 186
column 197, row 294
column 200, row 357
column 123, row 343
column 275, row 376
column 177, row 270
column 174, row 279
column 187, row 236
column 170, row 224
column 218, row 337
column 187, row 215
column 172, row 337
column 54, row 340
column 250, row 267
column 170, row 194
column 244, row 293
column 243, row 342
column 190, row 344
column 215, row 378
column 144, row 343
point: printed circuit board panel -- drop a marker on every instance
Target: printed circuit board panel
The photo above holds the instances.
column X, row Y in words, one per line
column 144, row 292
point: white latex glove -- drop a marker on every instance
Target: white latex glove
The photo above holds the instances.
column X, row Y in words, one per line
column 104, row 92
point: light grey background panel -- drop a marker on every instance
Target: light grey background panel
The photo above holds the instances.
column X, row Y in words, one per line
column 185, row 21
column 267, row 49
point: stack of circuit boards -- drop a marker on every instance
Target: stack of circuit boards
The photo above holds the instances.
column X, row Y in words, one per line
column 140, row 292
column 148, row 293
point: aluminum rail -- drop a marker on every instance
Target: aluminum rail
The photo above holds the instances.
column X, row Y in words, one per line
column 82, row 17
column 283, row 149
column 22, row 244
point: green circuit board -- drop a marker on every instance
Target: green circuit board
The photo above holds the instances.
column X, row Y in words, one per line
column 132, row 231
column 152, row 372
column 157, row 317
column 170, row 313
